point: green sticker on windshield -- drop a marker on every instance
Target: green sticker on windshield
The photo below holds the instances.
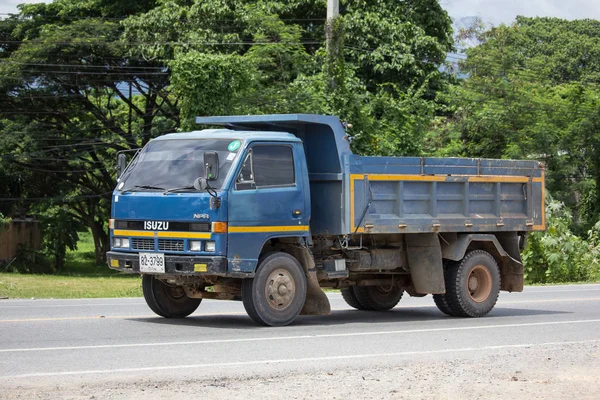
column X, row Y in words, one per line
column 233, row 146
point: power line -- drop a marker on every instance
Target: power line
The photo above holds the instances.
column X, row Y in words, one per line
column 139, row 15
column 95, row 42
column 83, row 65
column 58, row 198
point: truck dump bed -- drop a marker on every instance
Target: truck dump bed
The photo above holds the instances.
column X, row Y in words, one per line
column 416, row 195
column 353, row 194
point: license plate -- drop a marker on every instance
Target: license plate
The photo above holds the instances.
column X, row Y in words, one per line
column 152, row 262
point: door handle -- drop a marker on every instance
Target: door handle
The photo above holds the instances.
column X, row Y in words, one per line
column 296, row 213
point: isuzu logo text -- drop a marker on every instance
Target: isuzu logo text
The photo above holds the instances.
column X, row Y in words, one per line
column 156, row 225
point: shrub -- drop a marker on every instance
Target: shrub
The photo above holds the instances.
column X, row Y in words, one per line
column 558, row 255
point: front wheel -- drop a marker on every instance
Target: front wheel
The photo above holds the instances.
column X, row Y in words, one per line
column 473, row 285
column 276, row 294
column 166, row 300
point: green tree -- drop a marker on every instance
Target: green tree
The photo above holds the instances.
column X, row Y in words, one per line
column 532, row 92
column 558, row 255
column 80, row 81
column 65, row 80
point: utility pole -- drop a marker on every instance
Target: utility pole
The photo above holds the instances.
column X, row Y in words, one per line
column 333, row 11
column 332, row 37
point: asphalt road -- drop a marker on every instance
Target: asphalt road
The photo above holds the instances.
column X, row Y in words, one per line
column 48, row 343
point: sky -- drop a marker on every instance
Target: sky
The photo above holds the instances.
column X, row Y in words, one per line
column 505, row 11
column 491, row 11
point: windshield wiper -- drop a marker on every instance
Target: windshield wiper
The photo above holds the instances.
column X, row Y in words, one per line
column 143, row 187
column 148, row 187
column 179, row 188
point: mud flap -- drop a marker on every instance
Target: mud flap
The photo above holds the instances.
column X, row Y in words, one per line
column 425, row 262
column 316, row 302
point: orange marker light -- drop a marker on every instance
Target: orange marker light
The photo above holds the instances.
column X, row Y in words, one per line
column 219, row 227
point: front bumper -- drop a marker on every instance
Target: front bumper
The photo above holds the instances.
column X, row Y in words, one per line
column 174, row 265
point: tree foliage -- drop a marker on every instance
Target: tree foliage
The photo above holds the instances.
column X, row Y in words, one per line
column 532, row 92
column 80, row 81
column 560, row 256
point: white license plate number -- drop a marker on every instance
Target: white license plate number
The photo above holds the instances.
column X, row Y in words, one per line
column 152, row 262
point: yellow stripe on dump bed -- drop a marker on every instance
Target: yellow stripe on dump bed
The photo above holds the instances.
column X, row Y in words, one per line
column 254, row 229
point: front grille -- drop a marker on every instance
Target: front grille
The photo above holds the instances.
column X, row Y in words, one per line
column 170, row 244
column 142, row 244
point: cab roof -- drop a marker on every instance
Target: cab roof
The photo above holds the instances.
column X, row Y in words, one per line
column 232, row 134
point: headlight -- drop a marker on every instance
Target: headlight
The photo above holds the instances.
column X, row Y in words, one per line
column 120, row 242
column 210, row 246
column 195, row 245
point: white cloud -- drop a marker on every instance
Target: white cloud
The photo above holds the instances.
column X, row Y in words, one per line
column 505, row 11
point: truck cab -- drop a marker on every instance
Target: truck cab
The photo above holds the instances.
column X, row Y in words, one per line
column 270, row 208
column 162, row 223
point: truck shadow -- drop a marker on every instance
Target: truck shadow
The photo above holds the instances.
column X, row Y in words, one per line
column 342, row 317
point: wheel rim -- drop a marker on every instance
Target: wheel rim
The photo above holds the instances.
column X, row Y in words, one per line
column 174, row 292
column 479, row 283
column 280, row 289
column 384, row 291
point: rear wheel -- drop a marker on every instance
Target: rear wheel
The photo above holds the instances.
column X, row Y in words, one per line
column 378, row 298
column 166, row 300
column 276, row 294
column 350, row 298
column 441, row 300
column 442, row 304
column 473, row 285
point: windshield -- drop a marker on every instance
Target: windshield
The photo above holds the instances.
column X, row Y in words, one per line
column 176, row 163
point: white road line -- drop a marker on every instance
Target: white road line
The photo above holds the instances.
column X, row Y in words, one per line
column 223, row 313
column 559, row 291
column 71, row 305
column 294, row 360
column 331, row 296
column 317, row 336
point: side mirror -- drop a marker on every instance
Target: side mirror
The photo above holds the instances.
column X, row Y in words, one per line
column 121, row 164
column 211, row 165
column 200, row 184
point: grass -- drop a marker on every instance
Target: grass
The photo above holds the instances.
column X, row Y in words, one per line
column 82, row 262
column 81, row 278
column 68, row 287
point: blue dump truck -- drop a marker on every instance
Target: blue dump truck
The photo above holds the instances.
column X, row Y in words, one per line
column 270, row 209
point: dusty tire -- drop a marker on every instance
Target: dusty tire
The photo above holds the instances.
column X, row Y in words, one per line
column 350, row 298
column 473, row 285
column 377, row 298
column 442, row 304
column 167, row 301
column 276, row 294
column 441, row 300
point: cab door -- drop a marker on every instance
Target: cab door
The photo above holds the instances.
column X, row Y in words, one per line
column 266, row 201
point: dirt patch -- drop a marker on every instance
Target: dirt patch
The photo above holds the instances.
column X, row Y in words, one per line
column 571, row 371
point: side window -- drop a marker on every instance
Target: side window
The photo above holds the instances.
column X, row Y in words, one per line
column 273, row 166
column 267, row 166
column 245, row 179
